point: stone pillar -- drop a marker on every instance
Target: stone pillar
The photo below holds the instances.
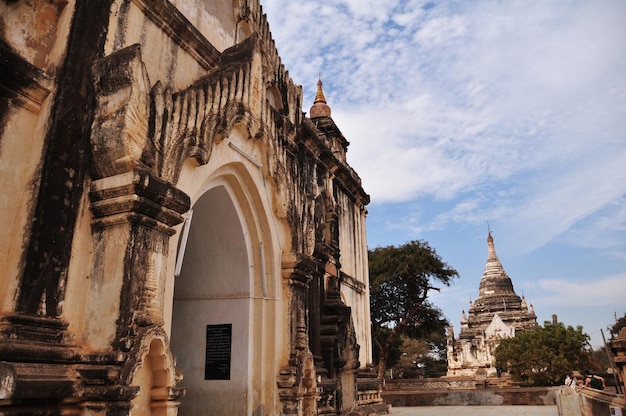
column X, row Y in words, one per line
column 315, row 301
column 133, row 218
column 133, row 208
column 297, row 381
column 347, row 374
column 133, row 211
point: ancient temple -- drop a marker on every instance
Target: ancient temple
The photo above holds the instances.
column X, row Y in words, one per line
column 176, row 236
column 497, row 313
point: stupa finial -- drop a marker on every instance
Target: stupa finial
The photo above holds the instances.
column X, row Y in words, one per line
column 319, row 108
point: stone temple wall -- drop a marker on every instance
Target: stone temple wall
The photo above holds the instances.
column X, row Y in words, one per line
column 173, row 228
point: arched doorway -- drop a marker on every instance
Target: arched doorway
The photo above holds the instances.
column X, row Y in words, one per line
column 211, row 309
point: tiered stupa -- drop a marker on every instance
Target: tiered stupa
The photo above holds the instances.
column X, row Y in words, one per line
column 497, row 313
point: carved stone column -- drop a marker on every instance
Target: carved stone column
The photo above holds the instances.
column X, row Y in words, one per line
column 315, row 302
column 133, row 218
column 297, row 381
column 134, row 211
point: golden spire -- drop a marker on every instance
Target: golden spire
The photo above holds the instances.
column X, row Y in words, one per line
column 319, row 97
column 319, row 108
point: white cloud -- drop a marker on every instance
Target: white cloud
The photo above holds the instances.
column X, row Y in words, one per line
column 604, row 231
column 568, row 197
column 603, row 291
column 512, row 112
column 440, row 31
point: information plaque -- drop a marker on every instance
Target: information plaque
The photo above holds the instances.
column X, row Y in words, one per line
column 218, row 348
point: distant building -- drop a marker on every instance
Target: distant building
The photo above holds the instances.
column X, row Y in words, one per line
column 497, row 313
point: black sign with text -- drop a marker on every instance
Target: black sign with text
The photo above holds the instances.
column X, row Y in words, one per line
column 219, row 340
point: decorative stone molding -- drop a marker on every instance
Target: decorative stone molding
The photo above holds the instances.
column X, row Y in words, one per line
column 34, row 381
column 22, row 82
column 140, row 195
column 154, row 127
column 153, row 345
column 120, row 127
column 143, row 209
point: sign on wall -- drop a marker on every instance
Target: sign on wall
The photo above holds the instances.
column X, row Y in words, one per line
column 218, row 351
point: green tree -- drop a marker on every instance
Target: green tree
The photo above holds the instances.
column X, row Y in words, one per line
column 400, row 280
column 544, row 355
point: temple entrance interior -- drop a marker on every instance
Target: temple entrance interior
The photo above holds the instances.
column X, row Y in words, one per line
column 213, row 289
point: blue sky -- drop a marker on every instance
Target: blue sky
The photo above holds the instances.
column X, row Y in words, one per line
column 461, row 113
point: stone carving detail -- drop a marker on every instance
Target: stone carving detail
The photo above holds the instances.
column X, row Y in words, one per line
column 297, row 381
column 160, row 129
column 120, row 126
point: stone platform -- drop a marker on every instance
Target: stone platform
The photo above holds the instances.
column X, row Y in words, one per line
column 529, row 396
column 476, row 411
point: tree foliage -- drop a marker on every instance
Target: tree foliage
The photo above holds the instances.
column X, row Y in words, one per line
column 600, row 361
column 543, row 356
column 425, row 357
column 400, row 280
column 619, row 324
column 394, row 352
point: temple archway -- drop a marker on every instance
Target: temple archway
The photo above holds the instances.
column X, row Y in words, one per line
column 212, row 298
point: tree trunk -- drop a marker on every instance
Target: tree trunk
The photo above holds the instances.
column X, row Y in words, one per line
column 382, row 365
column 383, row 354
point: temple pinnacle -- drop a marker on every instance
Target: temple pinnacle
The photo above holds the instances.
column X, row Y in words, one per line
column 319, row 108
column 319, row 97
column 491, row 246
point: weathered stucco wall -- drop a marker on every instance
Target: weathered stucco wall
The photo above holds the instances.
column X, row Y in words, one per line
column 38, row 31
column 216, row 20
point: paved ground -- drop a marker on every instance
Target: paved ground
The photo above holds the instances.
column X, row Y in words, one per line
column 475, row 411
